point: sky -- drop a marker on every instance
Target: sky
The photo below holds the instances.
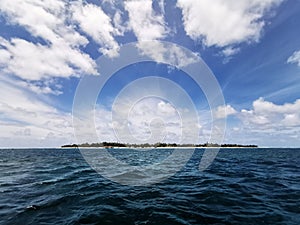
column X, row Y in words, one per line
column 252, row 47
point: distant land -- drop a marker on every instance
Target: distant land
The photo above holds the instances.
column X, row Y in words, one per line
column 156, row 145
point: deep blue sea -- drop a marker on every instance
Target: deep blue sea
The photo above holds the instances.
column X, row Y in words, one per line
column 241, row 186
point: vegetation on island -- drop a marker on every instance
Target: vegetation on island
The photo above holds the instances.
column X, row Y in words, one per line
column 156, row 145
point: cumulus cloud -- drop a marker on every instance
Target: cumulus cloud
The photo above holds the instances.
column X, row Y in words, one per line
column 58, row 56
column 36, row 61
column 165, row 108
column 266, row 115
column 144, row 21
column 154, row 120
column 44, row 19
column 166, row 53
column 95, row 23
column 150, row 120
column 263, row 123
column 295, row 58
column 222, row 23
column 266, row 124
column 224, row 111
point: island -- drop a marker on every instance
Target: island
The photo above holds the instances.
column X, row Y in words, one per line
column 156, row 145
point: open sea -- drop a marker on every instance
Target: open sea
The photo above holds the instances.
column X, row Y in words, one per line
column 241, row 186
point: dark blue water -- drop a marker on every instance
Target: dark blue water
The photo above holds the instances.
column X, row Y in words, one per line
column 242, row 186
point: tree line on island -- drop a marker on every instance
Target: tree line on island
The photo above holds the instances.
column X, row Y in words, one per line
column 156, row 145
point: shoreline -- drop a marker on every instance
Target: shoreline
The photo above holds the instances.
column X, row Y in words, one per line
column 59, row 148
column 156, row 147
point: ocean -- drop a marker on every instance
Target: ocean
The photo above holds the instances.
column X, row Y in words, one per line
column 241, row 186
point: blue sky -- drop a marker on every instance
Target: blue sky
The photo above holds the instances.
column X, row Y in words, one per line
column 252, row 48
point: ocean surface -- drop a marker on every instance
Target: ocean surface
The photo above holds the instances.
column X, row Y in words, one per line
column 241, row 186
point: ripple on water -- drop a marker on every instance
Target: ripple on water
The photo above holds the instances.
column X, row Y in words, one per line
column 241, row 187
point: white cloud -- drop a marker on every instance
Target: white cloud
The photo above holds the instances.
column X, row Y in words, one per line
column 119, row 24
column 153, row 120
column 149, row 120
column 95, row 23
column 35, row 61
column 167, row 53
column 229, row 51
column 165, row 108
column 146, row 24
column 262, row 106
column 266, row 124
column 59, row 56
column 292, row 119
column 29, row 122
column 40, row 89
column 104, row 125
column 295, row 58
column 45, row 19
column 222, row 23
column 267, row 115
column 161, row 4
column 224, row 111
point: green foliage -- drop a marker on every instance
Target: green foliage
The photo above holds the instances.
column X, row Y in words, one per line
column 156, row 145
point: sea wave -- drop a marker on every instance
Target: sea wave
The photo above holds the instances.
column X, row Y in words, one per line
column 242, row 186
